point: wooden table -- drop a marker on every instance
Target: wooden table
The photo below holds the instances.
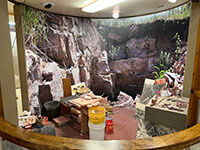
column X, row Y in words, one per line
column 81, row 104
column 65, row 108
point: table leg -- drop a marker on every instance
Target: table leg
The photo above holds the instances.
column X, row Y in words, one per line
column 1, row 144
column 84, row 121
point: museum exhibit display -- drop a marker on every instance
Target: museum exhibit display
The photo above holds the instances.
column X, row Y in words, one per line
column 103, row 72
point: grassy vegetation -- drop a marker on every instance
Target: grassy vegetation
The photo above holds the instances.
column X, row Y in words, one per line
column 112, row 52
column 34, row 23
column 163, row 65
column 165, row 59
column 178, row 46
column 176, row 13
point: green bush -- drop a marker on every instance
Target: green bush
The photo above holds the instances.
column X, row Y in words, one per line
column 162, row 66
column 112, row 52
column 34, row 23
column 178, row 46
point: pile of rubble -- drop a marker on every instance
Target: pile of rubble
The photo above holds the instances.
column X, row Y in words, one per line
column 176, row 77
column 126, row 101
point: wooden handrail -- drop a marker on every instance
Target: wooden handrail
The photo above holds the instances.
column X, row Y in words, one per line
column 194, row 97
column 1, row 104
column 197, row 93
column 38, row 141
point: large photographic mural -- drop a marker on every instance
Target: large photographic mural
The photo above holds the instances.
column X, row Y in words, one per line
column 110, row 55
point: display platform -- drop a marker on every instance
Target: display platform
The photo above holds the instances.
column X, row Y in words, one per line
column 170, row 111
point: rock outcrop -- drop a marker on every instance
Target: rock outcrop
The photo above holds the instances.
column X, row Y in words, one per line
column 44, row 80
column 73, row 48
column 130, row 73
column 80, row 48
column 134, row 49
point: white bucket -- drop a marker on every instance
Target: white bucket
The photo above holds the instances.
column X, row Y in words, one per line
column 96, row 131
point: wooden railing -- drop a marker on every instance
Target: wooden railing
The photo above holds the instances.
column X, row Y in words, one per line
column 36, row 141
column 32, row 140
column 197, row 93
column 195, row 89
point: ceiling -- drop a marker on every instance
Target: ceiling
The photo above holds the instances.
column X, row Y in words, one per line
column 127, row 8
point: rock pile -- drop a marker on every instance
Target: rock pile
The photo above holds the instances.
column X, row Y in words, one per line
column 126, row 101
column 176, row 78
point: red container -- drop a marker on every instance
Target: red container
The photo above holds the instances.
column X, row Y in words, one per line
column 109, row 126
column 45, row 119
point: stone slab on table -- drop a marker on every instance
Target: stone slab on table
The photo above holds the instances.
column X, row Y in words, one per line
column 148, row 91
column 66, row 99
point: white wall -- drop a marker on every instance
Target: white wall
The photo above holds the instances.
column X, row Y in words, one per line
column 6, row 67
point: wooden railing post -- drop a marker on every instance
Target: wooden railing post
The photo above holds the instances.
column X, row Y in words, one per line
column 1, row 115
column 194, row 96
column 1, row 144
column 1, row 104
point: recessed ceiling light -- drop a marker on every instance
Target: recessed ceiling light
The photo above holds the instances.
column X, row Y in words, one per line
column 172, row 1
column 115, row 15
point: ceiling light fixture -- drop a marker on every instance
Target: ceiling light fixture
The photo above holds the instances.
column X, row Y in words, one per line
column 115, row 13
column 98, row 5
column 172, row 1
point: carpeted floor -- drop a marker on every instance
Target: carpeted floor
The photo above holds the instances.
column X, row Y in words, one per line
column 125, row 127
